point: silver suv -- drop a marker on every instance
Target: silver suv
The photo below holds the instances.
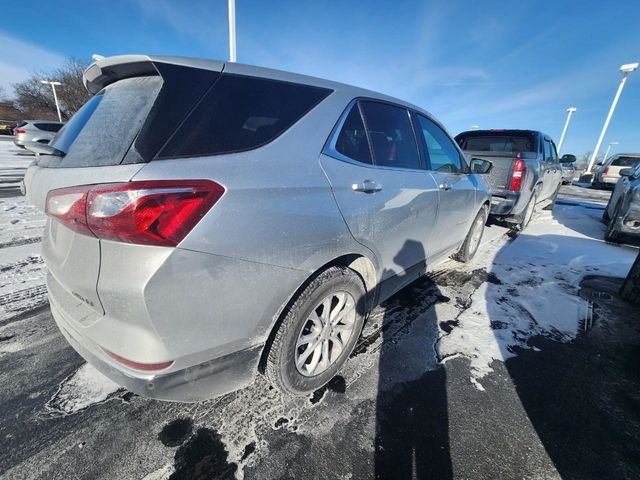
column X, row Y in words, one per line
column 209, row 220
column 40, row 131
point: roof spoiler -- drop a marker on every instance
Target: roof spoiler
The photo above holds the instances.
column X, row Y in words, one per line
column 111, row 69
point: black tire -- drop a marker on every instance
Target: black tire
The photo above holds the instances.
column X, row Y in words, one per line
column 554, row 197
column 596, row 185
column 605, row 215
column 471, row 242
column 280, row 366
column 611, row 234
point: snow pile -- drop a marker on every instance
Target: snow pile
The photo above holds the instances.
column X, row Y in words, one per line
column 83, row 388
column 538, row 276
column 22, row 271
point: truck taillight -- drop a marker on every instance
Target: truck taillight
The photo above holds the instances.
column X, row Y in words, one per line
column 519, row 170
column 151, row 212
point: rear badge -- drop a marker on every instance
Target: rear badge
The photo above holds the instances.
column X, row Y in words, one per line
column 80, row 297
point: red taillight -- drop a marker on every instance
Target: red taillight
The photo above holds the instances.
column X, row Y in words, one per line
column 145, row 367
column 19, row 130
column 606, row 170
column 519, row 170
column 151, row 212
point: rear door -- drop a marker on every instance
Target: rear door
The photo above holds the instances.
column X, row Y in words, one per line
column 456, row 187
column 102, row 143
column 386, row 197
column 551, row 169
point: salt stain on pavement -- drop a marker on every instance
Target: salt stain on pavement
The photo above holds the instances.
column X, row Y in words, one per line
column 83, row 388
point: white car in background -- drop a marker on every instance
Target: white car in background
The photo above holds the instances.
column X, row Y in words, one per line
column 39, row 131
column 608, row 173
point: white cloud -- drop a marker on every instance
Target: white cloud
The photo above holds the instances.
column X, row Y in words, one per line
column 20, row 59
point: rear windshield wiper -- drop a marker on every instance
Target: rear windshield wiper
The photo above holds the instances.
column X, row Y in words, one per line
column 44, row 149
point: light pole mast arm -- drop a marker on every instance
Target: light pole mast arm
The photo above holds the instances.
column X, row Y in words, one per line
column 606, row 122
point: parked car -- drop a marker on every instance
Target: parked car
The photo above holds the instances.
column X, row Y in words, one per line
column 568, row 172
column 40, row 131
column 196, row 236
column 607, row 173
column 623, row 210
column 526, row 174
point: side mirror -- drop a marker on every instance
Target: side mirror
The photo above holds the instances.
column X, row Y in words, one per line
column 568, row 158
column 480, row 166
column 627, row 172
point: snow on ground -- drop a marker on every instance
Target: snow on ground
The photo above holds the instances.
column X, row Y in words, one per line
column 22, row 270
column 535, row 286
column 83, row 388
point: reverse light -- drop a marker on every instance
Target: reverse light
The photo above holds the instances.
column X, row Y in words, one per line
column 145, row 367
column 154, row 212
column 517, row 175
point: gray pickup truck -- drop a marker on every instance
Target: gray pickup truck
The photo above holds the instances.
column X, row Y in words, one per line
column 526, row 172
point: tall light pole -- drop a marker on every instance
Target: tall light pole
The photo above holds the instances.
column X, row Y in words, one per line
column 609, row 149
column 55, row 96
column 625, row 69
column 232, row 30
column 570, row 111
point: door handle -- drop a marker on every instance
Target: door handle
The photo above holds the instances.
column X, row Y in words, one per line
column 367, row 186
column 445, row 186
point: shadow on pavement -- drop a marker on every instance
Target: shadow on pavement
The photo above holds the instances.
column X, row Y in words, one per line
column 412, row 431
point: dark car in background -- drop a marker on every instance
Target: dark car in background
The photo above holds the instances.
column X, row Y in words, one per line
column 526, row 174
column 623, row 209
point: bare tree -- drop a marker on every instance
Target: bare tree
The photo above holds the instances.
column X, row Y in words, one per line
column 35, row 99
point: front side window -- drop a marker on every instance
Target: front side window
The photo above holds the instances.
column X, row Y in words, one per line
column 391, row 135
column 352, row 141
column 241, row 113
column 443, row 155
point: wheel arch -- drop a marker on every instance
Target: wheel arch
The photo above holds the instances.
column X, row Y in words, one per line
column 359, row 263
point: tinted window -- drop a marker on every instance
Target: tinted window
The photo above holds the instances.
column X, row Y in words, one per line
column 625, row 162
column 442, row 153
column 391, row 135
column 497, row 142
column 549, row 155
column 41, row 126
column 352, row 140
column 106, row 126
column 55, row 127
column 240, row 113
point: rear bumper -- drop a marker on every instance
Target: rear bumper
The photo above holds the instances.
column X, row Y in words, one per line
column 206, row 380
column 507, row 205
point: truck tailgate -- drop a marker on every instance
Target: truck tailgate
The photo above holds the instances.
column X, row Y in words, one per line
column 498, row 179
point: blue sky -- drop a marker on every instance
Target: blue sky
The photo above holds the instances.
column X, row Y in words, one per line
column 507, row 64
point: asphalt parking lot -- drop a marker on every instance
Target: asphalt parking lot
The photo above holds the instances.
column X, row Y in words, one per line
column 520, row 364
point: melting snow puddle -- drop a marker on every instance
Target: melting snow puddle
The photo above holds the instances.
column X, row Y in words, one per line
column 83, row 388
column 539, row 272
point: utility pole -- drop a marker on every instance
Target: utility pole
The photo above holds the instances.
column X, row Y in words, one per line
column 232, row 30
column 570, row 111
column 625, row 69
column 55, row 96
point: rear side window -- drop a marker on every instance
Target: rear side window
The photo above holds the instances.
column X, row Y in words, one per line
column 54, row 127
column 103, row 130
column 625, row 162
column 497, row 142
column 242, row 113
column 391, row 135
column 443, row 155
column 352, row 141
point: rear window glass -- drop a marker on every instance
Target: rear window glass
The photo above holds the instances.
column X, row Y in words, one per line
column 241, row 113
column 102, row 131
column 625, row 162
column 391, row 135
column 499, row 142
column 352, row 141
